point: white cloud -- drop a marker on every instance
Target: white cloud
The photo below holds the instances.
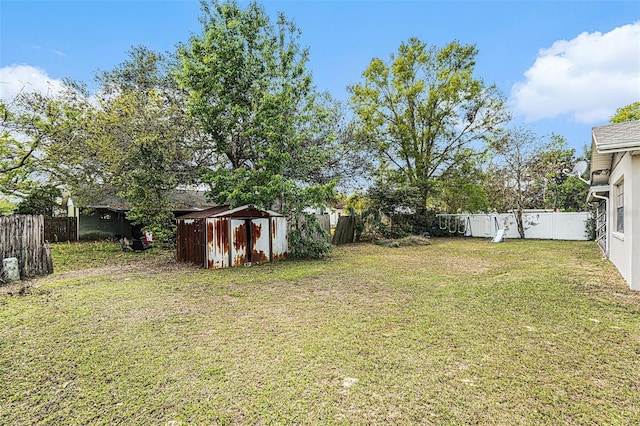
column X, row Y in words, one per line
column 26, row 78
column 588, row 77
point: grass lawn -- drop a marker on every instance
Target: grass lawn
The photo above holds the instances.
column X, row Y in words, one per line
column 458, row 332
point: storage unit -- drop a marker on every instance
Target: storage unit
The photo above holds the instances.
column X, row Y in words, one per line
column 221, row 237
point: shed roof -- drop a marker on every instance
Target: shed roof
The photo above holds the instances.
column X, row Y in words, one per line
column 607, row 140
column 182, row 200
column 226, row 210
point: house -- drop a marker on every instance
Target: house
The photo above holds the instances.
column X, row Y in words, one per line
column 222, row 236
column 107, row 218
column 615, row 186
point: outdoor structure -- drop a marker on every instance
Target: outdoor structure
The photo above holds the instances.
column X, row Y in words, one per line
column 615, row 186
column 107, row 218
column 221, row 237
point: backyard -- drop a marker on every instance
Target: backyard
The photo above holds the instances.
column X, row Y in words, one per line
column 456, row 332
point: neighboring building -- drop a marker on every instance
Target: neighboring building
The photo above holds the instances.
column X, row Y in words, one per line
column 221, row 237
column 615, row 185
column 107, row 219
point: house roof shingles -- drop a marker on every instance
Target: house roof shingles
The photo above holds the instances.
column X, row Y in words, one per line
column 607, row 140
column 183, row 201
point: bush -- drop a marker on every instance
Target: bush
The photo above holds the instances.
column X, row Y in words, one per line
column 307, row 239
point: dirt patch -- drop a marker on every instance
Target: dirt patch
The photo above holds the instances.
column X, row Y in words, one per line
column 161, row 264
column 17, row 288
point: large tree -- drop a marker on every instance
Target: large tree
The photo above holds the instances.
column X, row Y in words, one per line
column 133, row 137
column 422, row 109
column 249, row 86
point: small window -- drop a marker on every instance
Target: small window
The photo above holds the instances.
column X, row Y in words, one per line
column 105, row 216
column 619, row 203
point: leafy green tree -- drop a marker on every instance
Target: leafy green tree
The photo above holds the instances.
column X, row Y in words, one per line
column 629, row 112
column 6, row 207
column 249, row 86
column 419, row 111
column 15, row 155
column 552, row 188
column 135, row 139
column 42, row 200
column 27, row 123
column 461, row 188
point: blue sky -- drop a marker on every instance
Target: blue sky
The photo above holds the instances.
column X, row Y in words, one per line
column 564, row 65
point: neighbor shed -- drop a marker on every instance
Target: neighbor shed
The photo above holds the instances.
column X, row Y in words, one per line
column 221, row 237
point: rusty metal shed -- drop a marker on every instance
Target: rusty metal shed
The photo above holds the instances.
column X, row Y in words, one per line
column 221, row 237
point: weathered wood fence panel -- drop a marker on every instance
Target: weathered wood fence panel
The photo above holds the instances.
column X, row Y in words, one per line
column 22, row 236
column 345, row 230
column 58, row 229
column 325, row 223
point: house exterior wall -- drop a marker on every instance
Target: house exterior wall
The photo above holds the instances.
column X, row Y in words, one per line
column 97, row 226
column 624, row 249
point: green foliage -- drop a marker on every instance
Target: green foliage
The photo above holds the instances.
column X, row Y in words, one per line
column 629, row 112
column 394, row 211
column 135, row 139
column 461, row 188
column 421, row 110
column 6, row 207
column 41, row 200
column 553, row 189
column 150, row 183
column 250, row 88
column 307, row 239
column 26, row 125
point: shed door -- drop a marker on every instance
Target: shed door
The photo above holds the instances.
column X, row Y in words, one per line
column 259, row 240
column 238, row 242
column 218, row 243
column 191, row 241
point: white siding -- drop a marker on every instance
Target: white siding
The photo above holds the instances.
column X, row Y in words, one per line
column 624, row 248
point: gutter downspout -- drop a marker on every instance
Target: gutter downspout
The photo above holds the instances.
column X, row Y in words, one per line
column 606, row 225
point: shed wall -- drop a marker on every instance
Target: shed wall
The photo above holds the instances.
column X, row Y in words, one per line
column 234, row 240
column 218, row 243
column 279, row 238
column 191, row 242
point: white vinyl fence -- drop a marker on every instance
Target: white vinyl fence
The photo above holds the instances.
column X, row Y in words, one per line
column 537, row 225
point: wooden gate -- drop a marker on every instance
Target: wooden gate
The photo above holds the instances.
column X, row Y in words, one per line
column 58, row 229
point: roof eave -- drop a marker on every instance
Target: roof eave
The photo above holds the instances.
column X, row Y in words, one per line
column 596, row 190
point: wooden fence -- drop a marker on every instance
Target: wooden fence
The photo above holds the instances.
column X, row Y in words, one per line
column 59, row 229
column 345, row 230
column 22, row 236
